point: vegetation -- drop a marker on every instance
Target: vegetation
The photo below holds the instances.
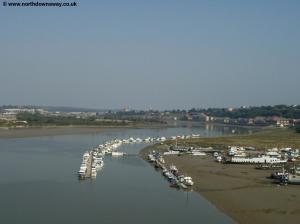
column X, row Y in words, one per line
column 261, row 140
column 135, row 116
column 298, row 129
column 37, row 119
column 292, row 112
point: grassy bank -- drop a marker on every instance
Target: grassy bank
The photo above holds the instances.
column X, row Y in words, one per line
column 264, row 139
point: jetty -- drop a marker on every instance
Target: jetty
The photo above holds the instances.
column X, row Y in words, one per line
column 89, row 167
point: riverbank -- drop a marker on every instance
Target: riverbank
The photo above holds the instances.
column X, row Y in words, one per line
column 26, row 132
column 241, row 191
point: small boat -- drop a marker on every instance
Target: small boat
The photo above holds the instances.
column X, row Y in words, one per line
column 173, row 169
column 151, row 157
column 138, row 140
column 197, row 153
column 161, row 160
column 263, row 166
column 219, row 159
column 182, row 185
column 188, row 181
column 117, row 153
column 216, row 154
column 81, row 174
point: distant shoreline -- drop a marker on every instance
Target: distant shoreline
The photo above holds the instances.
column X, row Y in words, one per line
column 53, row 130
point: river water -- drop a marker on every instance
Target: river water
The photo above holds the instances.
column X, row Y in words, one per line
column 39, row 184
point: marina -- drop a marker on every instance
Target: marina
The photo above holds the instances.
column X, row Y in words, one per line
column 92, row 160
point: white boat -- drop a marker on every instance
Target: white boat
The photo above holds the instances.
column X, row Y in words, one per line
column 161, row 160
column 273, row 154
column 173, row 168
column 232, row 151
column 138, row 140
column 132, row 140
column 219, row 159
column 151, row 158
column 117, row 153
column 163, row 139
column 197, row 153
column 171, row 153
column 188, row 181
column 257, row 160
column 147, row 139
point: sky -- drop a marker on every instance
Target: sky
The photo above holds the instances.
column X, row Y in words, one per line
column 160, row 54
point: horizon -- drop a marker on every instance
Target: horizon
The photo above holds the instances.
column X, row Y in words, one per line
column 136, row 109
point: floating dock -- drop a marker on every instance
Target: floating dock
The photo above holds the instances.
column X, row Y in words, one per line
column 89, row 167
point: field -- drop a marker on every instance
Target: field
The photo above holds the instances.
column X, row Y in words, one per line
column 265, row 139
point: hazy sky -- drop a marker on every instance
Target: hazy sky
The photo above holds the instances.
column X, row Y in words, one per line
column 160, row 54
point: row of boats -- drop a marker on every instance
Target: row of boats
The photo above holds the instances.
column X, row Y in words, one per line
column 152, row 139
column 171, row 173
column 274, row 155
column 91, row 163
column 92, row 160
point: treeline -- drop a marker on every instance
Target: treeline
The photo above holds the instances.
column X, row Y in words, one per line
column 291, row 112
column 39, row 119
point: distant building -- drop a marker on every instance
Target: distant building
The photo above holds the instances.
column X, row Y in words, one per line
column 285, row 123
column 8, row 116
column 226, row 120
column 251, row 121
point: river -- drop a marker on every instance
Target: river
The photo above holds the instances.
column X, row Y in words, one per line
column 39, row 182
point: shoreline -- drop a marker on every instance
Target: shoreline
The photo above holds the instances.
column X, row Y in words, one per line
column 53, row 130
column 242, row 192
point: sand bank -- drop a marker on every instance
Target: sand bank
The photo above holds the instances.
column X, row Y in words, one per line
column 244, row 193
column 25, row 132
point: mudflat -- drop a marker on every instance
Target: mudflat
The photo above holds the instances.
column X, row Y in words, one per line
column 48, row 131
column 25, row 132
column 244, row 193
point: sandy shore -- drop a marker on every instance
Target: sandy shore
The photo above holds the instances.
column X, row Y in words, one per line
column 244, row 193
column 64, row 130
